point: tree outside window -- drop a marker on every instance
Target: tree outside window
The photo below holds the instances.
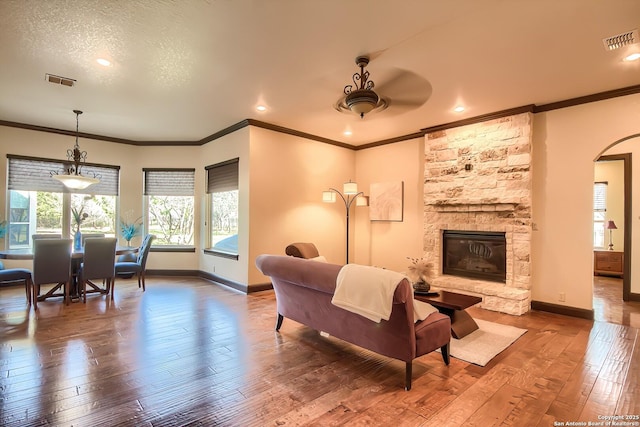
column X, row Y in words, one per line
column 100, row 210
column 39, row 204
column 170, row 206
column 222, row 187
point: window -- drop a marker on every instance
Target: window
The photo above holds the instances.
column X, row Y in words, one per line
column 39, row 204
column 599, row 213
column 170, row 205
column 222, row 187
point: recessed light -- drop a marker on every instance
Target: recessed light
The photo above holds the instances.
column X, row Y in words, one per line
column 261, row 108
column 104, row 62
column 632, row 57
column 347, row 133
column 459, row 109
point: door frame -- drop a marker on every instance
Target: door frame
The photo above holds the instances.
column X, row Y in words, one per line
column 626, row 278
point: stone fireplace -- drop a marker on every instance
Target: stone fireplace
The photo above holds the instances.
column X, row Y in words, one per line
column 478, row 180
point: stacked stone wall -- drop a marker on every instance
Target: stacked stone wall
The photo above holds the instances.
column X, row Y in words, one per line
column 478, row 178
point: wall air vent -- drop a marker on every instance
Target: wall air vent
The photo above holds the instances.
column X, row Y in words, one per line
column 621, row 40
column 59, row 80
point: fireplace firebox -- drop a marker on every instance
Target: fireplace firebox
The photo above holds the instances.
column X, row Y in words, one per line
column 475, row 254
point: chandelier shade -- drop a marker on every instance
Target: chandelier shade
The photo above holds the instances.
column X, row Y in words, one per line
column 76, row 182
column 71, row 177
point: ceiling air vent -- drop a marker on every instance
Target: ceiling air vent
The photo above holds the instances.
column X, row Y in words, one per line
column 59, row 80
column 621, row 40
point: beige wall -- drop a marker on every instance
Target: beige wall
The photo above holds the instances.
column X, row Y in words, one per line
column 384, row 243
column 234, row 145
column 131, row 160
column 282, row 178
column 612, row 172
column 288, row 175
column 566, row 143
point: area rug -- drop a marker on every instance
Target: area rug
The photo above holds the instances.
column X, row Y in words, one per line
column 482, row 345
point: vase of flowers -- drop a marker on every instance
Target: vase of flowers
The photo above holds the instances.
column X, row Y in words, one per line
column 79, row 216
column 128, row 228
column 420, row 274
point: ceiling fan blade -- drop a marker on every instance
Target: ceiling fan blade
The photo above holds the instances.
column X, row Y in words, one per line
column 404, row 88
column 374, row 55
column 408, row 103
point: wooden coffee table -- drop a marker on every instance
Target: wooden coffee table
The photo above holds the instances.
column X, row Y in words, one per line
column 454, row 305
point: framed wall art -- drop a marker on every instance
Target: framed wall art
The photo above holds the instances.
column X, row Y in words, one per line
column 386, row 201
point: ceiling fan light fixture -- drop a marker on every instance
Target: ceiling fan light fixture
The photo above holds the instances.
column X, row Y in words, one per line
column 360, row 98
column 362, row 101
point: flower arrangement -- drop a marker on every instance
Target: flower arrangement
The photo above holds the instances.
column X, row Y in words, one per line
column 79, row 216
column 128, row 228
column 420, row 272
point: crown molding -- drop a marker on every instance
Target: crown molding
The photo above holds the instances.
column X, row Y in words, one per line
column 479, row 119
column 531, row 108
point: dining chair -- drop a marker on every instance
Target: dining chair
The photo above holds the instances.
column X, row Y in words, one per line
column 139, row 266
column 46, row 236
column 51, row 264
column 98, row 262
column 86, row 236
column 11, row 275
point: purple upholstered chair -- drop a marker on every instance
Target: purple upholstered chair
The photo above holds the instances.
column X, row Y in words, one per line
column 302, row 250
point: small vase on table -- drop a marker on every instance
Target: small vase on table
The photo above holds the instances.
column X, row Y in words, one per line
column 77, row 241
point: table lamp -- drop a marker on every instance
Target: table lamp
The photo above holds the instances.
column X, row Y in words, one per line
column 611, row 226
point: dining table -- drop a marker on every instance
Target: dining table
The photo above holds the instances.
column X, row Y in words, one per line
column 76, row 260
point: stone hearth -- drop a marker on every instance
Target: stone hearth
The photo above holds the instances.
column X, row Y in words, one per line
column 478, row 178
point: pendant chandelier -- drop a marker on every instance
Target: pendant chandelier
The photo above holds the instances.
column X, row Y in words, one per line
column 71, row 177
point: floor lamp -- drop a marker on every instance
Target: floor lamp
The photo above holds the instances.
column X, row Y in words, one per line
column 348, row 195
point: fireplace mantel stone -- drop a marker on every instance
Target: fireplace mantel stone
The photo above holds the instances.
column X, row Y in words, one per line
column 478, row 178
column 495, row 296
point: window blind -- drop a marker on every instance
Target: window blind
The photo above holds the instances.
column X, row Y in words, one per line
column 223, row 176
column 33, row 174
column 600, row 196
column 169, row 182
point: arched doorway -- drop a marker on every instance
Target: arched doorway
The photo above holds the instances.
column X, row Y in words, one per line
column 620, row 310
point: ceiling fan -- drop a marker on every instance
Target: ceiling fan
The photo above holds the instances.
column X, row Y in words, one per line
column 403, row 90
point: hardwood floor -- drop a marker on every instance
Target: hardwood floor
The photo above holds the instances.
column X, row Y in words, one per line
column 608, row 305
column 190, row 353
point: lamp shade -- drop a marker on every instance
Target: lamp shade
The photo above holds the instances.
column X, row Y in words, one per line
column 362, row 201
column 328, row 197
column 350, row 188
column 611, row 225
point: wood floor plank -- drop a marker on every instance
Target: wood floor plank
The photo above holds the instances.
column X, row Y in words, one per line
column 629, row 402
column 188, row 352
column 473, row 398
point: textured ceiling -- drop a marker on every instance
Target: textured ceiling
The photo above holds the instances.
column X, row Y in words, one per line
column 183, row 70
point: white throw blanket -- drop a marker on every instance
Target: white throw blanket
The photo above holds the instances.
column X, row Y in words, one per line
column 368, row 291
